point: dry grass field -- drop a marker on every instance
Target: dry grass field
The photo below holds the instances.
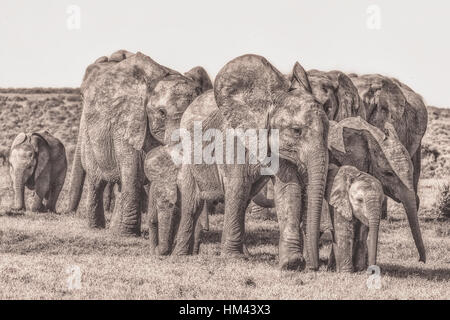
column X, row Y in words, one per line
column 37, row 250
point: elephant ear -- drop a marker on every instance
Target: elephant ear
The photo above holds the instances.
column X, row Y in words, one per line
column 392, row 98
column 300, row 79
column 393, row 150
column 245, row 90
column 42, row 151
column 339, row 191
column 158, row 166
column 347, row 96
column 20, row 138
column 200, row 76
column 117, row 98
column 336, row 136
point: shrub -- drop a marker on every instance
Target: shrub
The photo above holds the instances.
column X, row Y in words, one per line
column 442, row 207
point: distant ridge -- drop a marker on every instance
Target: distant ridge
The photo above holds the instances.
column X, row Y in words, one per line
column 38, row 90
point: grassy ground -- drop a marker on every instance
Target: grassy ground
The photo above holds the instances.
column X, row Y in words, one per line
column 37, row 251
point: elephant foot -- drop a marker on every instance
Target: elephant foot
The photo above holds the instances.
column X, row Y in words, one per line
column 126, row 233
column 234, row 250
column 294, row 262
column 196, row 249
column 96, row 225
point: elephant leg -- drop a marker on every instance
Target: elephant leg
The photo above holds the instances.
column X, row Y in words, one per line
column 237, row 198
column 94, row 202
column 107, row 196
column 55, row 190
column 127, row 208
column 331, row 266
column 152, row 217
column 288, row 200
column 343, row 245
column 201, row 226
column 190, row 208
column 360, row 250
column 384, row 209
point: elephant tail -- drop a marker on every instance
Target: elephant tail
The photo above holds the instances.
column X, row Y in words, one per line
column 76, row 178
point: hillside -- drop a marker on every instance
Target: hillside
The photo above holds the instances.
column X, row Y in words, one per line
column 28, row 110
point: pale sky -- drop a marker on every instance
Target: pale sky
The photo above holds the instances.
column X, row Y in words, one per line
column 412, row 43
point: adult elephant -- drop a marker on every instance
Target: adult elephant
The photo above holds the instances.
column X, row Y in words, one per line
column 129, row 107
column 37, row 161
column 339, row 98
column 251, row 94
column 355, row 142
column 388, row 100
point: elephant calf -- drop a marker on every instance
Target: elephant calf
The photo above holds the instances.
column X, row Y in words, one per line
column 38, row 161
column 355, row 199
column 164, row 202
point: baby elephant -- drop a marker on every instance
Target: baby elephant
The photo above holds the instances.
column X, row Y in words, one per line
column 355, row 200
column 38, row 161
column 164, row 207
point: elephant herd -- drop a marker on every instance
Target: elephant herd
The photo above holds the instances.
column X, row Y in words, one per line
column 343, row 143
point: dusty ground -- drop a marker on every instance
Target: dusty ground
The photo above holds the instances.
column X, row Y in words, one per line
column 38, row 251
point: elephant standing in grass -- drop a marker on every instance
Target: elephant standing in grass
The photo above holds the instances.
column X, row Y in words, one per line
column 355, row 199
column 129, row 107
column 338, row 96
column 355, row 142
column 388, row 100
column 37, row 161
column 164, row 206
column 249, row 93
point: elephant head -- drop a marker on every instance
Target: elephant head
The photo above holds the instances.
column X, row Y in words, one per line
column 252, row 94
column 29, row 157
column 336, row 92
column 355, row 142
column 141, row 97
column 357, row 194
column 163, row 207
column 384, row 102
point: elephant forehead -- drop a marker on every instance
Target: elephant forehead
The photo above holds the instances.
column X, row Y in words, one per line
column 23, row 153
column 366, row 183
column 297, row 110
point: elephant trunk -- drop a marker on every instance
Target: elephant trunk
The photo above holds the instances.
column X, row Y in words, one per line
column 409, row 202
column 168, row 221
column 374, row 211
column 317, row 167
column 19, row 190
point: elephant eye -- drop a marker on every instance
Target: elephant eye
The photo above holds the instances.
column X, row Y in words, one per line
column 162, row 113
column 297, row 131
column 389, row 173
